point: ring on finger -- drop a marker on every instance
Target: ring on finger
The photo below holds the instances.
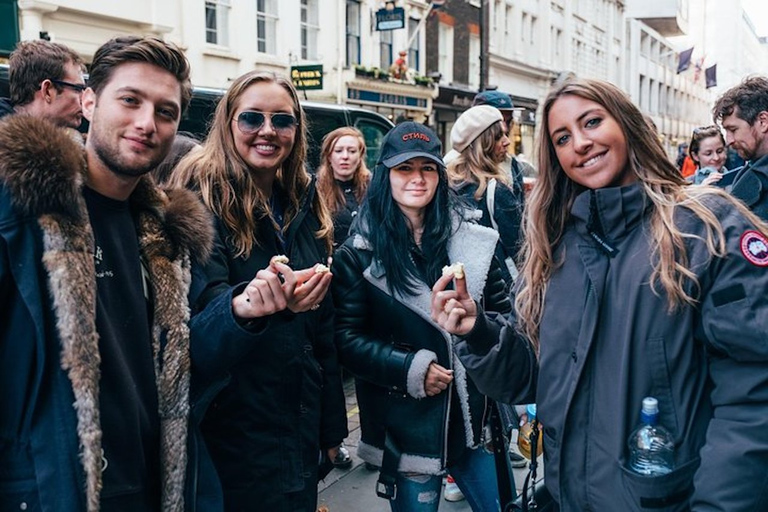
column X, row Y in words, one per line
column 315, row 307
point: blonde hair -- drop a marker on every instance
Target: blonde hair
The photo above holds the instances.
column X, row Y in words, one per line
column 549, row 206
column 476, row 165
column 227, row 186
column 332, row 194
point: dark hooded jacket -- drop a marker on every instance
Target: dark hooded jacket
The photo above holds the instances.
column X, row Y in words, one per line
column 608, row 340
column 750, row 185
column 50, row 432
column 388, row 340
column 284, row 402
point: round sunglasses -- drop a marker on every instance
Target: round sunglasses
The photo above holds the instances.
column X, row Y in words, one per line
column 251, row 121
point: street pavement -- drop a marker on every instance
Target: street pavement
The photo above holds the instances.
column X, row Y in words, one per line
column 354, row 489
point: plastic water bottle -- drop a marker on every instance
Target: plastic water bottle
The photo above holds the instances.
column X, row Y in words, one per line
column 651, row 447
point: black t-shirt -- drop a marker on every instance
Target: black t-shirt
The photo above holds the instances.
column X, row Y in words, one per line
column 128, row 392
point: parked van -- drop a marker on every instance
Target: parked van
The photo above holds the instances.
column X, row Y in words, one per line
column 322, row 118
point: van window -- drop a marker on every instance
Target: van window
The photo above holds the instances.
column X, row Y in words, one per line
column 373, row 133
column 320, row 123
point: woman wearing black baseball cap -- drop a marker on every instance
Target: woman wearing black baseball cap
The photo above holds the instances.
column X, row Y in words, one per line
column 420, row 414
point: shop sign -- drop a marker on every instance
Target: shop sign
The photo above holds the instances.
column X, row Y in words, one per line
column 390, row 20
column 386, row 99
column 307, row 78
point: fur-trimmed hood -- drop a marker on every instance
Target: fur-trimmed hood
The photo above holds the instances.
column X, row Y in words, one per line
column 43, row 169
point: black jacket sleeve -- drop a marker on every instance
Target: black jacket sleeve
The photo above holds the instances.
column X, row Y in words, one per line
column 501, row 363
column 361, row 351
column 333, row 416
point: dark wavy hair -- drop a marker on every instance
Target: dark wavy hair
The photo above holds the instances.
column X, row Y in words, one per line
column 388, row 231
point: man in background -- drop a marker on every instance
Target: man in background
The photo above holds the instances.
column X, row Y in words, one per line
column 45, row 81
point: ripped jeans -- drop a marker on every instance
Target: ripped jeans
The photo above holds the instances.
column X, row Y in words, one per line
column 475, row 474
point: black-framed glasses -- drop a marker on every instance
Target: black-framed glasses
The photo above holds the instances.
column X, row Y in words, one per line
column 251, row 121
column 76, row 87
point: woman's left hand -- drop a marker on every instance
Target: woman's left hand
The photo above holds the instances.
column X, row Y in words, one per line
column 310, row 290
column 437, row 379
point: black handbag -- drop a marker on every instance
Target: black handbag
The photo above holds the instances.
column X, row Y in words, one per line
column 535, row 496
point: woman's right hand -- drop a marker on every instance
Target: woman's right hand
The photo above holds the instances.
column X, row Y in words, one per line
column 712, row 178
column 265, row 294
column 453, row 310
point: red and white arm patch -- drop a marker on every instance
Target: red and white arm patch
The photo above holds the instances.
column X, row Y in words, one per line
column 754, row 247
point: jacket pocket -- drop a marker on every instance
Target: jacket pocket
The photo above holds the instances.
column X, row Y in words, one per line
column 16, row 495
column 665, row 493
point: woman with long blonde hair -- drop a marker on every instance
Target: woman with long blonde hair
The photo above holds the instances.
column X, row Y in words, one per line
column 480, row 143
column 343, row 177
column 283, row 408
column 633, row 285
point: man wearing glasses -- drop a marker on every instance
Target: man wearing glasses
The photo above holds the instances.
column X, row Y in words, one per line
column 46, row 81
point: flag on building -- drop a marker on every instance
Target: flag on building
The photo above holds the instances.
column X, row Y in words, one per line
column 711, row 76
column 698, row 67
column 684, row 60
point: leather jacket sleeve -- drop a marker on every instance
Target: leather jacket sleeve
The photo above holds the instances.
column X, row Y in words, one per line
column 361, row 351
column 495, row 296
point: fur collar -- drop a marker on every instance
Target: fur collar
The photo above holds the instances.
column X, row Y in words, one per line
column 44, row 168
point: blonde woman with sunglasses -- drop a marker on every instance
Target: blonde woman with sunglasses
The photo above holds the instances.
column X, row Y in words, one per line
column 283, row 409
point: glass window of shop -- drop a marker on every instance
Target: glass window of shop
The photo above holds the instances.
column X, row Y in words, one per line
column 353, row 32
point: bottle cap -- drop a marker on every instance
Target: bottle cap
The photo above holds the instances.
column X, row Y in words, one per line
column 530, row 409
column 650, row 405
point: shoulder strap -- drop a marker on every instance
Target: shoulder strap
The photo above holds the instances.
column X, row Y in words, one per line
column 490, row 200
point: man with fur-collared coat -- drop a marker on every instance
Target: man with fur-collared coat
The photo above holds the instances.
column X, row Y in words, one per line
column 95, row 269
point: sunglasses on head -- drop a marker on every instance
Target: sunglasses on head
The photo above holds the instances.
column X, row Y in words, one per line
column 251, row 121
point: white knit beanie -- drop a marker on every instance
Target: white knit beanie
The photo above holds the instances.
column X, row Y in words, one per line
column 471, row 124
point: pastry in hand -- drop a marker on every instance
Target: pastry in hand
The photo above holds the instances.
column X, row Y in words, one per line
column 321, row 269
column 280, row 258
column 457, row 269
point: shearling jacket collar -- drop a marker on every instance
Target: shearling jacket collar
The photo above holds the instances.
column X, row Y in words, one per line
column 44, row 169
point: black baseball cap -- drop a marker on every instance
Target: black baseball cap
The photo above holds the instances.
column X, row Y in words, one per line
column 410, row 140
column 495, row 99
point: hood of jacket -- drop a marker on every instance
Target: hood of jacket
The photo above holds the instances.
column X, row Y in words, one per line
column 43, row 168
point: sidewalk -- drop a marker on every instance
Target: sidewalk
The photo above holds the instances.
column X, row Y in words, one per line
column 354, row 489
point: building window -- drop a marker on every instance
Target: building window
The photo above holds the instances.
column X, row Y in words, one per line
column 445, row 52
column 353, row 32
column 266, row 26
column 309, row 29
column 413, row 50
column 217, row 22
column 474, row 61
column 385, row 44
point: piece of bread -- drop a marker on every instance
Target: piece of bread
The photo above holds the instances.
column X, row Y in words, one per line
column 457, row 269
column 280, row 258
column 321, row 269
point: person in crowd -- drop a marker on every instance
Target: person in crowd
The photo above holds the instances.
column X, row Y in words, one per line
column 479, row 137
column 419, row 412
column 632, row 285
column 46, row 81
column 284, row 403
column 517, row 167
column 343, row 178
column 707, row 149
column 94, row 272
column 183, row 143
column 742, row 111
